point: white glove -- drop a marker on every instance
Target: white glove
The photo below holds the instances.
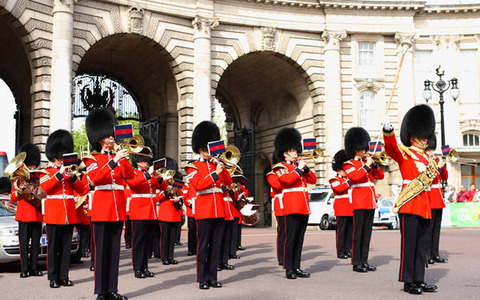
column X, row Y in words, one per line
column 386, row 124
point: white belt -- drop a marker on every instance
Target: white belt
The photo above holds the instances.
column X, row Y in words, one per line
column 280, row 200
column 297, row 189
column 210, row 191
column 227, row 199
column 366, row 184
column 342, row 197
column 109, row 187
column 143, row 195
column 436, row 186
column 60, row 197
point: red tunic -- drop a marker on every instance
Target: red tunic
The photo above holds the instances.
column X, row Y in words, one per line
column 436, row 191
column 25, row 212
column 81, row 211
column 361, row 177
column 411, row 162
column 189, row 200
column 209, row 196
column 108, row 203
column 60, row 202
column 142, row 204
column 228, row 204
column 167, row 212
column 275, row 193
column 293, row 183
column 342, row 205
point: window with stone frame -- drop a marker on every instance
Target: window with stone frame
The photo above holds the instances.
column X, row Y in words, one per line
column 471, row 140
column 366, row 58
column 367, row 115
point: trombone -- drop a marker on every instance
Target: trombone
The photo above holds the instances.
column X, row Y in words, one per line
column 383, row 159
column 136, row 144
column 229, row 159
column 454, row 157
column 316, row 156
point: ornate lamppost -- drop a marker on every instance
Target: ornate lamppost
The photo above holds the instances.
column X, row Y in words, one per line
column 441, row 87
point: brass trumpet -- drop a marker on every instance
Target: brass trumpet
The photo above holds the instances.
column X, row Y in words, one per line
column 75, row 169
column 136, row 144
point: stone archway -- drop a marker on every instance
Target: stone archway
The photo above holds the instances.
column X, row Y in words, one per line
column 142, row 65
column 264, row 89
column 15, row 70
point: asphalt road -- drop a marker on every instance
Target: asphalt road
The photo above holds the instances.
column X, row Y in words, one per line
column 256, row 274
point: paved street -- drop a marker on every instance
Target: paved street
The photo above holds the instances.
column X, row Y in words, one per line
column 257, row 276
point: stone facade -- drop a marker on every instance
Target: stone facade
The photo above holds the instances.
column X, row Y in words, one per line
column 308, row 64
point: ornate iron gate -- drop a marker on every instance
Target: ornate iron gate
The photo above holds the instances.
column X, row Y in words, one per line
column 150, row 128
column 245, row 141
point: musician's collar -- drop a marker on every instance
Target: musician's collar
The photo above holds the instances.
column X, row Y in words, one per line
column 357, row 158
column 202, row 159
column 291, row 162
column 106, row 152
column 141, row 170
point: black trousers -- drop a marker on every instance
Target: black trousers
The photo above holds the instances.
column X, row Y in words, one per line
column 58, row 250
column 209, row 235
column 226, row 242
column 86, row 238
column 156, row 240
column 234, row 239
column 362, row 233
column 280, row 238
column 142, row 239
column 239, row 236
column 92, row 246
column 168, row 234
column 413, row 231
column 295, row 226
column 179, row 230
column 107, row 236
column 344, row 235
column 77, row 256
column 128, row 232
column 434, row 233
column 29, row 232
column 192, row 235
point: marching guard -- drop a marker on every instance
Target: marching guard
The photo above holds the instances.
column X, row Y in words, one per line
column 108, row 172
column 28, row 216
column 342, row 206
column 60, row 214
column 293, row 175
column 413, row 203
column 206, row 175
column 361, row 170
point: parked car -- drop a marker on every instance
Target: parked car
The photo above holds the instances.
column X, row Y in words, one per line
column 383, row 213
column 9, row 246
column 321, row 207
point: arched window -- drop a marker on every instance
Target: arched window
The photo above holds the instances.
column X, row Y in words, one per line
column 471, row 140
column 367, row 109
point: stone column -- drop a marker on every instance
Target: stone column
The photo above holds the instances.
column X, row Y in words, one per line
column 61, row 87
column 202, row 85
column 171, row 135
column 333, row 91
column 405, row 94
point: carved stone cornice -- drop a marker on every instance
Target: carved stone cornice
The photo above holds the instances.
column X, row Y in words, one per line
column 202, row 26
column 135, row 20
column 64, row 6
column 447, row 41
column 332, row 39
column 405, row 37
column 372, row 84
column 268, row 38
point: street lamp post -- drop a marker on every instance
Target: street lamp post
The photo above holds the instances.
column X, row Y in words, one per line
column 441, row 87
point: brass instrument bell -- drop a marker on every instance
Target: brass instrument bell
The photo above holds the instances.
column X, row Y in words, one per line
column 230, row 159
column 136, row 144
column 19, row 172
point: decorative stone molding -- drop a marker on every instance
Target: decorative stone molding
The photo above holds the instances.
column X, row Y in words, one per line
column 63, row 6
column 203, row 26
column 268, row 38
column 41, row 113
column 332, row 39
column 447, row 41
column 372, row 84
column 135, row 20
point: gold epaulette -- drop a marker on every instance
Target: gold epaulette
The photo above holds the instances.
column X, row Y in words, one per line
column 279, row 165
column 271, row 172
column 190, row 165
column 405, row 150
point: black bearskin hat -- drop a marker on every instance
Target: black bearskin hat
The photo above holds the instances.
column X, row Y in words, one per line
column 59, row 142
column 99, row 124
column 356, row 139
column 432, row 143
column 5, row 185
column 204, row 133
column 33, row 154
column 171, row 164
column 418, row 122
column 287, row 138
column 338, row 160
column 138, row 158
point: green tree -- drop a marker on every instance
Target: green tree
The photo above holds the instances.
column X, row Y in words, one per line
column 80, row 140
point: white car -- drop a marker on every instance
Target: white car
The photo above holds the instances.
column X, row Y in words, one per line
column 383, row 214
column 321, row 207
column 9, row 246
